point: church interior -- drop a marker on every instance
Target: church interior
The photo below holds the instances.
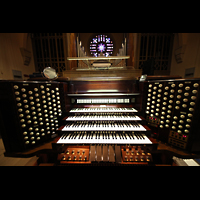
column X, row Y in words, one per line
column 139, row 87
column 182, row 54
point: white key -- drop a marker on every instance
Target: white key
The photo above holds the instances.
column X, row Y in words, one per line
column 85, row 141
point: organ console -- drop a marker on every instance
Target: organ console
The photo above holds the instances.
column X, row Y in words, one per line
column 104, row 116
column 102, row 120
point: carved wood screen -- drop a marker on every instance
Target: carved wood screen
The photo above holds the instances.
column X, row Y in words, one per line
column 49, row 50
column 158, row 46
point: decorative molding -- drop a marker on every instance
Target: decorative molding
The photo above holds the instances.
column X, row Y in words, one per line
column 179, row 53
column 26, row 56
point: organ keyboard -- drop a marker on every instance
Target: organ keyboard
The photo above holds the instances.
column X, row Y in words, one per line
column 104, row 137
column 103, row 124
column 103, row 116
column 103, row 109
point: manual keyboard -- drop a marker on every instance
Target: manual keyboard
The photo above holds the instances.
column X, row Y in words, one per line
column 103, row 117
column 104, row 137
column 103, row 109
column 103, row 126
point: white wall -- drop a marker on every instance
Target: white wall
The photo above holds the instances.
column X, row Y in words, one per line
column 191, row 55
column 10, row 54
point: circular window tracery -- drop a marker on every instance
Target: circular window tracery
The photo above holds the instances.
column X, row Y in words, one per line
column 101, row 44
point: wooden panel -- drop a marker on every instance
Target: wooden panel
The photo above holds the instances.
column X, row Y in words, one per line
column 73, row 52
column 130, row 49
column 96, row 74
column 84, row 86
column 49, row 51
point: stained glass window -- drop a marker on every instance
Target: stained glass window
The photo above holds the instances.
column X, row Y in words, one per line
column 101, row 44
column 101, row 47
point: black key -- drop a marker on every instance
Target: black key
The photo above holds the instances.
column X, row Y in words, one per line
column 137, row 136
